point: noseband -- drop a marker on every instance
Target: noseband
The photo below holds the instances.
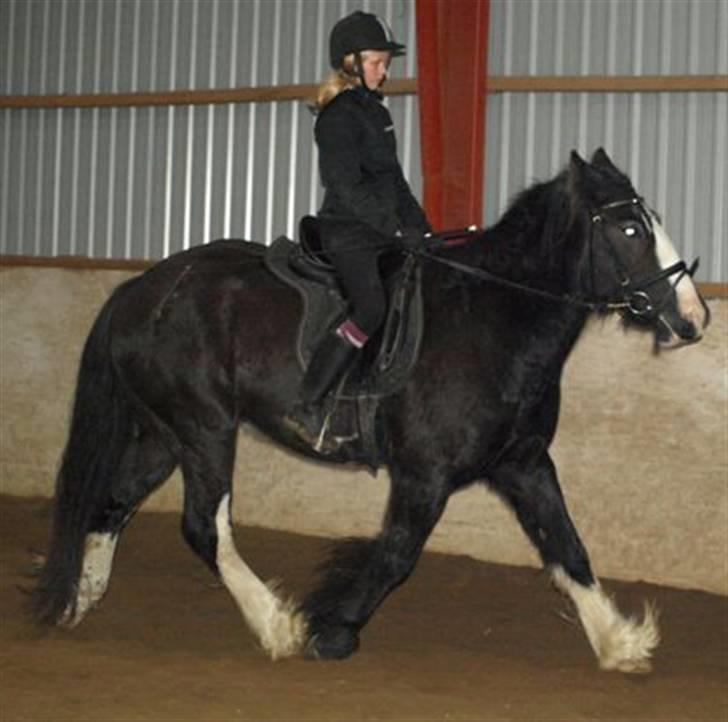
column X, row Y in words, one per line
column 636, row 298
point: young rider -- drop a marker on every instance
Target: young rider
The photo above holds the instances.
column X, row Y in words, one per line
column 368, row 206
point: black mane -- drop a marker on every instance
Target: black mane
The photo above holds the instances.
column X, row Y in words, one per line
column 527, row 243
column 546, row 226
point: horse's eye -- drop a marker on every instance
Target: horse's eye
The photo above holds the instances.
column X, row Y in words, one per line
column 631, row 231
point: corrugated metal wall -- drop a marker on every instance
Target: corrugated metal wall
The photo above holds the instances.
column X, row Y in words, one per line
column 144, row 182
column 673, row 145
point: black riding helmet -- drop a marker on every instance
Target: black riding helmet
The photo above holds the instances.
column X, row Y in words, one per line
column 361, row 31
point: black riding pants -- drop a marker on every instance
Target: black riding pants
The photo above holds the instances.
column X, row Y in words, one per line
column 354, row 250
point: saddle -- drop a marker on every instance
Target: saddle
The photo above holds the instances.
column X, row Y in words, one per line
column 386, row 361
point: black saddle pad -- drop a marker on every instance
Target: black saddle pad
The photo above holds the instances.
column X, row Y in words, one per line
column 389, row 356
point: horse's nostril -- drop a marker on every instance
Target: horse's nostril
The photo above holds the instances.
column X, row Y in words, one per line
column 683, row 334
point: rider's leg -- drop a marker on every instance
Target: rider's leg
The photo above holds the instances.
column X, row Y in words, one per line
column 357, row 267
column 328, row 364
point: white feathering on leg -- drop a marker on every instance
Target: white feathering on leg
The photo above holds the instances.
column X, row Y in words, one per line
column 280, row 629
column 621, row 643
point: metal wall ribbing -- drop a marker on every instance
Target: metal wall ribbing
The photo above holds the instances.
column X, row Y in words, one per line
column 673, row 145
column 144, row 182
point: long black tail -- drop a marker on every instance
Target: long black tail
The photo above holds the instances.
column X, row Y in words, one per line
column 101, row 427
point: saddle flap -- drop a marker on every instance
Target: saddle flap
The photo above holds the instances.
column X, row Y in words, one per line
column 391, row 353
column 398, row 348
column 318, row 288
column 389, row 357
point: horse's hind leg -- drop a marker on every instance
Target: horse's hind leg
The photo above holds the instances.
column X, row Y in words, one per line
column 207, row 465
column 146, row 463
column 532, row 488
column 362, row 572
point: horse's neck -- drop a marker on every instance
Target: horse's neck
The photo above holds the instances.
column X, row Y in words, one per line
column 529, row 246
column 528, row 243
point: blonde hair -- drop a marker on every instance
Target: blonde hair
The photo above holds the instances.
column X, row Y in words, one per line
column 337, row 82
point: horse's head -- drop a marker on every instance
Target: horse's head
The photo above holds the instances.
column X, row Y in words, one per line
column 628, row 259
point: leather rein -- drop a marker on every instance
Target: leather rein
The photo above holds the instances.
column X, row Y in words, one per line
column 635, row 297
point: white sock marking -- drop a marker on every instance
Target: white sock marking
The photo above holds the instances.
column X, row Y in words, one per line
column 98, row 557
column 279, row 628
column 620, row 643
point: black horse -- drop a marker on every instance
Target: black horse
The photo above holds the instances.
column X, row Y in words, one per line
column 204, row 340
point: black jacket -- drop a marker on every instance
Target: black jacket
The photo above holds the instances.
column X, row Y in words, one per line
column 359, row 167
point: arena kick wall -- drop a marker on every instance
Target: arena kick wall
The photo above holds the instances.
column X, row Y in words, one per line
column 641, row 446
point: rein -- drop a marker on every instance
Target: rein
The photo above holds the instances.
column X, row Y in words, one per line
column 488, row 277
column 636, row 299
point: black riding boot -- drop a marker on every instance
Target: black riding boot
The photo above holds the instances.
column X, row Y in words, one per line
column 329, row 363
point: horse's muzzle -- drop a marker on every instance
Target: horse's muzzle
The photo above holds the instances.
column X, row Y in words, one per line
column 673, row 331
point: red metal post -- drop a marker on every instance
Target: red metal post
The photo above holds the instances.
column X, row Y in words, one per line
column 428, row 94
column 452, row 69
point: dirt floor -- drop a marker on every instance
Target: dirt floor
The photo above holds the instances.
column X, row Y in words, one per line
column 462, row 640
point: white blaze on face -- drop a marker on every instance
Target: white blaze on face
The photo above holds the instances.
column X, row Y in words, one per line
column 688, row 300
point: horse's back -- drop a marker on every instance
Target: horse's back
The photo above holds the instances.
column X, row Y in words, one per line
column 211, row 312
column 226, row 253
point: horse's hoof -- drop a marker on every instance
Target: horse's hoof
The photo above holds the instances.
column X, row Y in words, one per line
column 332, row 643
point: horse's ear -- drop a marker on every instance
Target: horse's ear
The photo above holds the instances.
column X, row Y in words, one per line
column 600, row 158
column 576, row 162
column 576, row 183
column 577, row 166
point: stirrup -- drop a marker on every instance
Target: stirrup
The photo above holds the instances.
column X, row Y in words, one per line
column 319, row 445
column 314, row 438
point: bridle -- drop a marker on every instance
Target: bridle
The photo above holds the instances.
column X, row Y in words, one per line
column 634, row 298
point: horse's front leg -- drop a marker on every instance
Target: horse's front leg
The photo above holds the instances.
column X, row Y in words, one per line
column 361, row 572
column 532, row 488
